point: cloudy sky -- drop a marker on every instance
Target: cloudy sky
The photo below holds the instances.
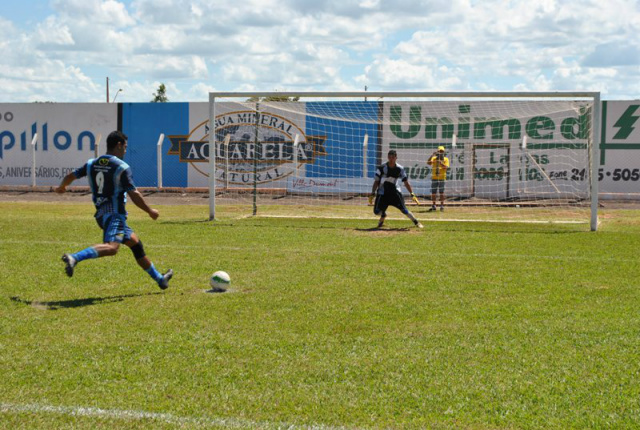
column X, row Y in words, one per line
column 63, row 50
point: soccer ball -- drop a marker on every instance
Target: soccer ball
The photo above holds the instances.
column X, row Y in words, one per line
column 220, row 280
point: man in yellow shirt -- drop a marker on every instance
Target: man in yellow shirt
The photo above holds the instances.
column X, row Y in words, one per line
column 439, row 166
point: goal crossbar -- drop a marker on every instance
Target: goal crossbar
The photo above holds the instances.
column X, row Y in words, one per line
column 407, row 94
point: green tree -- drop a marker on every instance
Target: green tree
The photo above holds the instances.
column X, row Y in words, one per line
column 160, row 96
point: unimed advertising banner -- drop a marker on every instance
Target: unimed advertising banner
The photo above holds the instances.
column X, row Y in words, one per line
column 491, row 157
column 66, row 137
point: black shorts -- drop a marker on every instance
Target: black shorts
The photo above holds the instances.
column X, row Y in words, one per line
column 437, row 184
column 389, row 198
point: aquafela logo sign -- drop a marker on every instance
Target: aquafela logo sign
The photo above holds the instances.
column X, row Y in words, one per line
column 250, row 146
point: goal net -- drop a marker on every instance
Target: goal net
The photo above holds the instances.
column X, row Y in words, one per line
column 512, row 156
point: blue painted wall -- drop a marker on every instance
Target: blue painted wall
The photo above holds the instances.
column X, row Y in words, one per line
column 143, row 123
column 344, row 138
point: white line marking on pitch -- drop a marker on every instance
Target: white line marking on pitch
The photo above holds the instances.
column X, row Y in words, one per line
column 392, row 218
column 227, row 423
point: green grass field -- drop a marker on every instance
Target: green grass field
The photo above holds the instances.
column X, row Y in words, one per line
column 328, row 324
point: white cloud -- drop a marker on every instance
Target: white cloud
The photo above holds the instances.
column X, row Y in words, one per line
column 387, row 74
column 536, row 43
column 97, row 12
column 46, row 81
column 615, row 53
column 199, row 92
column 164, row 12
column 194, row 45
column 49, row 33
column 168, row 68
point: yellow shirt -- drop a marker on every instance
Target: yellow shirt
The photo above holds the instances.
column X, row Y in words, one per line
column 438, row 172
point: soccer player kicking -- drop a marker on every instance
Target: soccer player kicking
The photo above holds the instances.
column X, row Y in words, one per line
column 387, row 185
column 110, row 179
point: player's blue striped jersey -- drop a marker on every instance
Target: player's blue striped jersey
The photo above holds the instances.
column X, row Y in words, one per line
column 109, row 178
column 390, row 178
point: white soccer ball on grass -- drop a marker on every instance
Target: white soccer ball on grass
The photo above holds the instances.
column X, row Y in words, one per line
column 220, row 280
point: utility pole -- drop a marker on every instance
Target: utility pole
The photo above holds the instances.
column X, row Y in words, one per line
column 107, row 89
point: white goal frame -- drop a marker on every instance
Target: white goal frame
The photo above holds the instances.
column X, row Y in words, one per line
column 593, row 138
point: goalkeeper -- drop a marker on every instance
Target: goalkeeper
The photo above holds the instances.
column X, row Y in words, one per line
column 387, row 192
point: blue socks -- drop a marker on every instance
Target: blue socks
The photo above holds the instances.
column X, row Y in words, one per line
column 85, row 254
column 91, row 252
column 157, row 276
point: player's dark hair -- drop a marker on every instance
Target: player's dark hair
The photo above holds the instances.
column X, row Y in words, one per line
column 392, row 152
column 114, row 138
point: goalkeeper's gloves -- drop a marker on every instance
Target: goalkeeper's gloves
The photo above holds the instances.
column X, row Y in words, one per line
column 415, row 199
column 371, row 197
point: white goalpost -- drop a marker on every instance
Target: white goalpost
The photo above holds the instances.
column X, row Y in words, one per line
column 513, row 155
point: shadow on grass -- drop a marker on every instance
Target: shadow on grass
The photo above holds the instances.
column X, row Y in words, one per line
column 216, row 290
column 385, row 229
column 77, row 303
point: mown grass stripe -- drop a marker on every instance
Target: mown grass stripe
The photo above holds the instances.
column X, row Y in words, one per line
column 429, row 253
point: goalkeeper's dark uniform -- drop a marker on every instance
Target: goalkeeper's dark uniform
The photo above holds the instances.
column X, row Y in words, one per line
column 389, row 191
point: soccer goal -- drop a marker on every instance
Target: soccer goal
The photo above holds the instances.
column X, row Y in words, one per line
column 512, row 155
